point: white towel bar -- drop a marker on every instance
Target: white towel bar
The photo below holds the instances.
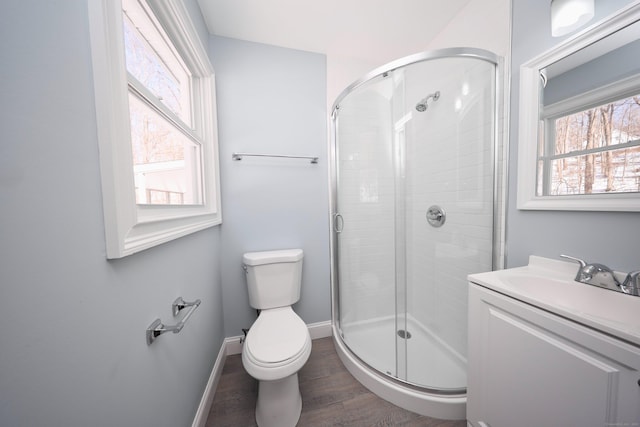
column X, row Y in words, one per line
column 157, row 328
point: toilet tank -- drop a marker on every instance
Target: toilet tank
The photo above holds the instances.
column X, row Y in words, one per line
column 273, row 277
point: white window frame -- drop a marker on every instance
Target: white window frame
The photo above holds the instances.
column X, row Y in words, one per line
column 130, row 228
column 529, row 124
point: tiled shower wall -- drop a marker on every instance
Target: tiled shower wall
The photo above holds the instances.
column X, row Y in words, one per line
column 450, row 165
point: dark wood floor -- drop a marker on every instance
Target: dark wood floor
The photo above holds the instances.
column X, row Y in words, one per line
column 330, row 397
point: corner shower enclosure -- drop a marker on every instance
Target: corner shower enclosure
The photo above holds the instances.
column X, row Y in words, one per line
column 413, row 196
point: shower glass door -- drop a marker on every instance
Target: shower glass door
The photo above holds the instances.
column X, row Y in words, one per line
column 414, row 193
column 366, row 247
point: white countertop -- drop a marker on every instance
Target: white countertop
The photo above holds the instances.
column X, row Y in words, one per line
column 549, row 284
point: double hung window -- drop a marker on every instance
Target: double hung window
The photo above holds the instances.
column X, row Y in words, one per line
column 155, row 106
column 591, row 151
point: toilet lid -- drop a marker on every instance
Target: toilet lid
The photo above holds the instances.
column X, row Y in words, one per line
column 277, row 335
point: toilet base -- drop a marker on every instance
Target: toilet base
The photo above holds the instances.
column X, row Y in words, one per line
column 279, row 402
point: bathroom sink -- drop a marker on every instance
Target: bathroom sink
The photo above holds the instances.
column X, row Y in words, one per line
column 549, row 285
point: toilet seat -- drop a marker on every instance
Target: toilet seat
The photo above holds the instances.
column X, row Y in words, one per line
column 278, row 344
column 277, row 336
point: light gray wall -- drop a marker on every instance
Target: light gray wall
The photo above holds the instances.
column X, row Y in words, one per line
column 612, row 238
column 73, row 350
column 272, row 100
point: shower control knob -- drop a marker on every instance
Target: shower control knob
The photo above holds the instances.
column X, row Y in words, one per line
column 436, row 216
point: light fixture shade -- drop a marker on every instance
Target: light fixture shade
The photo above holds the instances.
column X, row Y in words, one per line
column 569, row 15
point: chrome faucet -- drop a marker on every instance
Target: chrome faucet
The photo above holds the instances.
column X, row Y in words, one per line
column 602, row 276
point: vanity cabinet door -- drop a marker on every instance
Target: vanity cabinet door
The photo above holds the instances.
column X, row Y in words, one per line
column 531, row 368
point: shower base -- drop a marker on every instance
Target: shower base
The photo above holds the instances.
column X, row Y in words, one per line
column 376, row 339
column 427, row 361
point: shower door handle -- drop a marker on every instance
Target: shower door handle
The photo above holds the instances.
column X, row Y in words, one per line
column 338, row 223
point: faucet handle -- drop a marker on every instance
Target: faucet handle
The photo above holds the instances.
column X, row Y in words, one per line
column 585, row 272
column 631, row 284
column 634, row 275
column 578, row 260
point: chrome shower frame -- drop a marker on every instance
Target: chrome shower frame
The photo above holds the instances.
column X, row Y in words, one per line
column 404, row 394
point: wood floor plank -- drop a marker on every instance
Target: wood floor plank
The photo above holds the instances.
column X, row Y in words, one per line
column 331, row 397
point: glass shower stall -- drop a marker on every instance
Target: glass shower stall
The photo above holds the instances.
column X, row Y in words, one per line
column 413, row 213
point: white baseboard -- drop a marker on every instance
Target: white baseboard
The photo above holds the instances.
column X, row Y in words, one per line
column 210, row 390
column 320, row 329
column 233, row 345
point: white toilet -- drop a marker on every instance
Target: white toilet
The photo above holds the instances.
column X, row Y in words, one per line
column 278, row 343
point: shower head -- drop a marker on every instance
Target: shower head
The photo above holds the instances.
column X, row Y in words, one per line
column 423, row 104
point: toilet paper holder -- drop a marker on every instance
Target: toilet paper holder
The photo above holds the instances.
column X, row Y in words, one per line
column 157, row 328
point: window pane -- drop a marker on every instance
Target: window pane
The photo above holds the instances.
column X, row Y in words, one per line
column 615, row 171
column 587, row 157
column 609, row 124
column 166, row 162
column 152, row 61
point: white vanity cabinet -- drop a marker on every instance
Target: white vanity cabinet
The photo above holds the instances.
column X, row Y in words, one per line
column 529, row 367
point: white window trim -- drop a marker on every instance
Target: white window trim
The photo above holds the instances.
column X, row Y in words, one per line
column 130, row 228
column 599, row 96
column 529, row 124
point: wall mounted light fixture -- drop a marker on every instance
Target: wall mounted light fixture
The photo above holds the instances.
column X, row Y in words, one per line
column 569, row 15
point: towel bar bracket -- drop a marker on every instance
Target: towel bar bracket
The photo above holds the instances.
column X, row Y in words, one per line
column 179, row 304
